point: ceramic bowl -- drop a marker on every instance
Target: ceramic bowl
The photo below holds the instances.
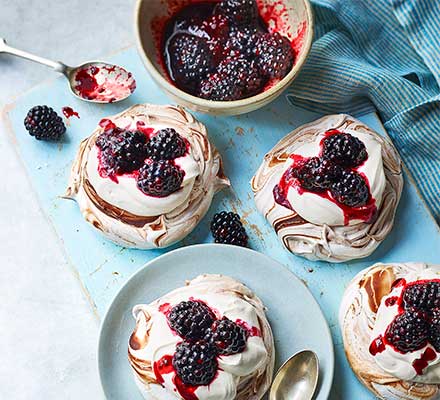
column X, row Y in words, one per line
column 292, row 18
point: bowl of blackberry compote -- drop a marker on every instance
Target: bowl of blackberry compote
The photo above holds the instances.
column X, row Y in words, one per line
column 223, row 57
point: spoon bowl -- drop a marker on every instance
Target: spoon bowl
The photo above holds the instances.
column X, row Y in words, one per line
column 297, row 378
column 100, row 82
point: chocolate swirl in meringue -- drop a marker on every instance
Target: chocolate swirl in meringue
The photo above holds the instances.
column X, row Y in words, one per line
column 360, row 321
column 242, row 376
column 322, row 241
column 122, row 212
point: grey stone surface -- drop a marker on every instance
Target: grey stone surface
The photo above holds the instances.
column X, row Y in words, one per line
column 48, row 333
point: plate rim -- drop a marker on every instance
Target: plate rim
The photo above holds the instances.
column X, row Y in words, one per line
column 217, row 246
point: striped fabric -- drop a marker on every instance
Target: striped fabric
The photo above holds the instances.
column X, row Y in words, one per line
column 381, row 55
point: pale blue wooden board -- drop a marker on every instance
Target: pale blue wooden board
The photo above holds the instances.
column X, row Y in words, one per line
column 243, row 141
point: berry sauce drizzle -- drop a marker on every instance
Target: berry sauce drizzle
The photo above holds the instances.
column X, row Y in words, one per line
column 379, row 344
column 421, row 363
column 69, row 112
column 364, row 213
column 165, row 366
column 253, row 331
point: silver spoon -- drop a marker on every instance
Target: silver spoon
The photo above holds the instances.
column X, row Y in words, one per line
column 95, row 81
column 297, row 378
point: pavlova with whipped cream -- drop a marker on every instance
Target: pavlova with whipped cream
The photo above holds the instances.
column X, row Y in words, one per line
column 208, row 340
column 330, row 189
column 390, row 322
column 147, row 176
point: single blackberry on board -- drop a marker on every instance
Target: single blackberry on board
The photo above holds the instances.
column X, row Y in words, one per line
column 167, row 144
column 434, row 329
column 351, row 189
column 275, row 55
column 408, row 331
column 316, row 174
column 227, row 337
column 189, row 60
column 195, row 363
column 227, row 228
column 191, row 319
column 422, row 296
column 159, row 178
column 344, row 149
column 121, row 151
column 239, row 12
column 44, row 123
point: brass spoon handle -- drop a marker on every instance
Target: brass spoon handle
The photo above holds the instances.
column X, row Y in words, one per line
column 56, row 65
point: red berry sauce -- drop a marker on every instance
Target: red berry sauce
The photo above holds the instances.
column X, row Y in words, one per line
column 101, row 82
column 421, row 363
column 69, row 112
column 377, row 345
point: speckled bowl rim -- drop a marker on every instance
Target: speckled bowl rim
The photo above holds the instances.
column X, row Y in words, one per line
column 227, row 105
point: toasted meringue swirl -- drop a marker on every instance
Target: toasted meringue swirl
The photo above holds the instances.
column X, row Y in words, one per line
column 360, row 321
column 244, row 376
column 122, row 212
column 321, row 241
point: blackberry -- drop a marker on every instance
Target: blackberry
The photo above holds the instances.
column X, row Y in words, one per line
column 167, row 144
column 351, row 189
column 236, row 78
column 195, row 363
column 316, row 174
column 227, row 228
column 239, row 12
column 121, row 151
column 344, row 149
column 219, row 89
column 43, row 122
column 227, row 337
column 275, row 55
column 189, row 60
column 243, row 42
column 422, row 296
column 434, row 330
column 408, row 332
column 159, row 178
column 191, row 319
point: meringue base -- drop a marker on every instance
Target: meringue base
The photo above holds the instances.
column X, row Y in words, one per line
column 323, row 242
column 357, row 317
column 147, row 232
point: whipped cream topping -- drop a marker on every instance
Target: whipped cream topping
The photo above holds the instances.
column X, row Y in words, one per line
column 124, row 193
column 153, row 340
column 401, row 365
column 125, row 214
column 320, row 210
column 305, row 229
